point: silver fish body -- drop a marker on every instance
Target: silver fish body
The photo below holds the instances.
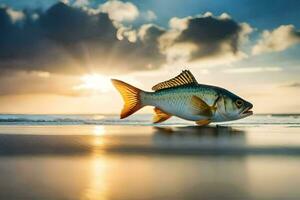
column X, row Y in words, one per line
column 177, row 101
column 184, row 97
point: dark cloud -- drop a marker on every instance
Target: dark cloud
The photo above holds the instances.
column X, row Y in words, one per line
column 65, row 39
column 209, row 35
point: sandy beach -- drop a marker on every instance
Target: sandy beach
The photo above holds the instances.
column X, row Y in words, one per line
column 147, row 162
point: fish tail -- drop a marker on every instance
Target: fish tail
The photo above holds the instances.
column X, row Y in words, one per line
column 131, row 96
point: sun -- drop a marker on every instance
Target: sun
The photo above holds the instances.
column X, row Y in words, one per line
column 94, row 82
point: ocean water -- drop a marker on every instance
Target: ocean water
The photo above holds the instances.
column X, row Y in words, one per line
column 139, row 119
column 103, row 157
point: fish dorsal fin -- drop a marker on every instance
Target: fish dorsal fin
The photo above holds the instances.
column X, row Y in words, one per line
column 184, row 78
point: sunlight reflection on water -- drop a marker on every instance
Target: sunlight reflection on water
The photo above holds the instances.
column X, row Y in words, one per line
column 98, row 186
column 135, row 162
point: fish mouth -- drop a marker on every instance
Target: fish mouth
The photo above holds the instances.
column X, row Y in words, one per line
column 247, row 111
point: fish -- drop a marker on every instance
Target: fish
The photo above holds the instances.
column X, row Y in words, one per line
column 183, row 97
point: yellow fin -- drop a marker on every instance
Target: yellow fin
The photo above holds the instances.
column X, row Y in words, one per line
column 203, row 122
column 160, row 115
column 184, row 78
column 131, row 97
column 200, row 107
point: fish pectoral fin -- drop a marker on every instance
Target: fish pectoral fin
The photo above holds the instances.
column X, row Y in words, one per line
column 203, row 122
column 160, row 116
column 200, row 107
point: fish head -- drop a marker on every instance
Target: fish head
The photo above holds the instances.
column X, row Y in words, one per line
column 232, row 107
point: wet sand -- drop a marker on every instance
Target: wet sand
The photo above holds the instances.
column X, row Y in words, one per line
column 145, row 162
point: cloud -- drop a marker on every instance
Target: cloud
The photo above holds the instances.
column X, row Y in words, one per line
column 81, row 3
column 204, row 37
column 293, row 85
column 149, row 32
column 40, row 47
column 72, row 40
column 37, row 82
column 78, row 40
column 252, row 70
column 15, row 15
column 120, row 11
column 149, row 15
column 277, row 40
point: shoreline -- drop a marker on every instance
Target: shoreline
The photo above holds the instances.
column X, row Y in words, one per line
column 149, row 140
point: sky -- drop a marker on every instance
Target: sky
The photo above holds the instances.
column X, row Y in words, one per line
column 58, row 57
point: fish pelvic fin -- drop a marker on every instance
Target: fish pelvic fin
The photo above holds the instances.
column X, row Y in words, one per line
column 203, row 122
column 160, row 116
column 131, row 97
column 201, row 108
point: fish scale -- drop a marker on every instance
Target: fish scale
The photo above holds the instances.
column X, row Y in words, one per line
column 177, row 100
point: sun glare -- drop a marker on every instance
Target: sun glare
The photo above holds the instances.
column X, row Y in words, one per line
column 95, row 82
column 99, row 130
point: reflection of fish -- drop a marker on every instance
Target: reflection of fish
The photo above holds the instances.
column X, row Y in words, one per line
column 197, row 134
column 183, row 97
column 196, row 131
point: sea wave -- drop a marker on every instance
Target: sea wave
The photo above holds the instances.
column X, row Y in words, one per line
column 286, row 119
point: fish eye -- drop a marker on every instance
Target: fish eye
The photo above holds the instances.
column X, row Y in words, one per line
column 239, row 103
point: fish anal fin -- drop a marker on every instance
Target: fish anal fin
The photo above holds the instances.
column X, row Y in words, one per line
column 200, row 107
column 184, row 78
column 203, row 122
column 160, row 116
